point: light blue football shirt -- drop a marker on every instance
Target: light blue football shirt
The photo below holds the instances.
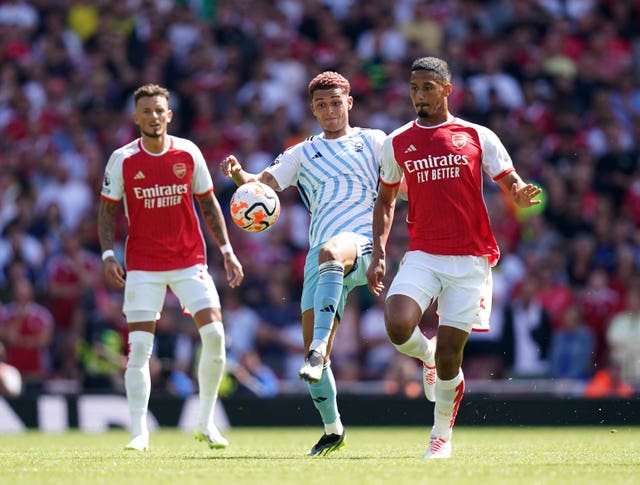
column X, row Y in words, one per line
column 337, row 179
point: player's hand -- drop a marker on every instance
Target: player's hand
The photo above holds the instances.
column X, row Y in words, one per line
column 375, row 275
column 113, row 272
column 524, row 196
column 229, row 166
column 232, row 266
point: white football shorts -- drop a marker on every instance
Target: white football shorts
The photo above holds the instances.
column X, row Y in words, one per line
column 145, row 291
column 461, row 284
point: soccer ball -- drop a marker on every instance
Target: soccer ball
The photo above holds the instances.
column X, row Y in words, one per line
column 255, row 207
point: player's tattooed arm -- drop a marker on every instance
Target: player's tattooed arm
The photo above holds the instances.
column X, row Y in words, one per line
column 213, row 218
column 107, row 224
column 270, row 180
column 113, row 272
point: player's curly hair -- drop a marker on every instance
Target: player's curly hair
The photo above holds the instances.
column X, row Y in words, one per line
column 150, row 90
column 435, row 64
column 329, row 80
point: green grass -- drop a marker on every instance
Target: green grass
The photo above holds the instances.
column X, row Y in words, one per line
column 389, row 456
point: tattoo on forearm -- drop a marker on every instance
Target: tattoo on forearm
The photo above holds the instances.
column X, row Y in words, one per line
column 270, row 180
column 107, row 224
column 212, row 214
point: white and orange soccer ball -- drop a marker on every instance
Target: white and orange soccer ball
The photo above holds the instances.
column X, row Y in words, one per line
column 255, row 207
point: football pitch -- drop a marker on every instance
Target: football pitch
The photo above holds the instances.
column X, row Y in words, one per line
column 384, row 455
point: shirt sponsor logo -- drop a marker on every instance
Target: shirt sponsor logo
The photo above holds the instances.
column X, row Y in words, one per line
column 161, row 195
column 160, row 191
column 436, row 161
column 436, row 167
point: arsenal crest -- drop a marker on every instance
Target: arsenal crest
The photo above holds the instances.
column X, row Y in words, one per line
column 180, row 170
column 459, row 140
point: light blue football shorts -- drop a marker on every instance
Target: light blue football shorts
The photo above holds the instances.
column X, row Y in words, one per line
column 356, row 277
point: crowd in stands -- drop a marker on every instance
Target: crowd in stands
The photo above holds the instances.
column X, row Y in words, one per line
column 557, row 80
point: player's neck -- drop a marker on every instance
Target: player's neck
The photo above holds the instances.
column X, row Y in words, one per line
column 435, row 120
column 155, row 144
column 332, row 135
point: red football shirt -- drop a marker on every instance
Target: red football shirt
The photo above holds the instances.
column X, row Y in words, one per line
column 442, row 166
column 158, row 189
column 34, row 321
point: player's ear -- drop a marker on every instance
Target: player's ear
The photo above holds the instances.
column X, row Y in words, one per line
column 169, row 116
column 349, row 102
column 447, row 89
column 134, row 117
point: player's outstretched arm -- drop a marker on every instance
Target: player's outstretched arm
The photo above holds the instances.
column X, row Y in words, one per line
column 522, row 194
column 212, row 214
column 232, row 169
column 113, row 272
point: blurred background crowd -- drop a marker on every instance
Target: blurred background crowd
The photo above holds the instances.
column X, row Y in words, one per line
column 557, row 80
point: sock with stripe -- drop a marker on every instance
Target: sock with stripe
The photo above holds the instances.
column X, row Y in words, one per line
column 327, row 297
column 448, row 396
column 324, row 397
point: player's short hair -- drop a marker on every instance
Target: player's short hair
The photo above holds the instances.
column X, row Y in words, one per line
column 329, row 80
column 435, row 64
column 149, row 91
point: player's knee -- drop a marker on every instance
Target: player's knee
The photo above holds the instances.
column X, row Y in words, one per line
column 140, row 348
column 400, row 321
column 399, row 329
column 213, row 341
column 330, row 251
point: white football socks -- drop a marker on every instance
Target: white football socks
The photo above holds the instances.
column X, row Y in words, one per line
column 417, row 346
column 334, row 428
column 210, row 371
column 448, row 396
column 137, row 380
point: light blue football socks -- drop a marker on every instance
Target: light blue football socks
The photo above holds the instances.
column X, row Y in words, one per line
column 324, row 398
column 327, row 297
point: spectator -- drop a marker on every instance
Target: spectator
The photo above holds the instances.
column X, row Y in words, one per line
column 572, row 347
column 243, row 325
column 623, row 338
column 174, row 352
column 27, row 331
column 72, row 276
column 18, row 245
column 527, row 333
column 494, row 87
column 73, row 196
column 377, row 351
column 599, row 302
column 253, row 376
column 10, row 378
column 278, row 341
column 102, row 349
